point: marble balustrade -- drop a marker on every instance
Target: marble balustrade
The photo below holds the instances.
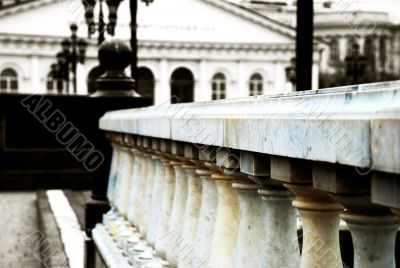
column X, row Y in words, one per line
column 222, row 184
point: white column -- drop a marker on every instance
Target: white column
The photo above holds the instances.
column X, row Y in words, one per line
column 242, row 88
column 162, row 92
column 203, row 86
column 342, row 47
column 81, row 79
column 361, row 43
column 377, row 53
column 36, row 87
column 280, row 78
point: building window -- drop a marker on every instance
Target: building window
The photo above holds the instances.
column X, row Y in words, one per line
column 145, row 83
column 182, row 86
column 256, row 85
column 218, row 86
column 334, row 48
column 8, row 79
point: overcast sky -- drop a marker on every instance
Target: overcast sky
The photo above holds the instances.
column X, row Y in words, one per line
column 390, row 6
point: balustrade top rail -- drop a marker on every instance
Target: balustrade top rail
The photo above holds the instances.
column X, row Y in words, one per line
column 355, row 125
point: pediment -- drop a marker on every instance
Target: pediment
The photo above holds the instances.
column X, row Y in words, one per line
column 163, row 20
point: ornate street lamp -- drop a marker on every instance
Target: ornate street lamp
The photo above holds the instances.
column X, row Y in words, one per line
column 73, row 51
column 100, row 25
column 290, row 71
column 355, row 64
column 112, row 22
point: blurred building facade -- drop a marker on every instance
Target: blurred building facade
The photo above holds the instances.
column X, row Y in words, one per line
column 374, row 27
column 196, row 50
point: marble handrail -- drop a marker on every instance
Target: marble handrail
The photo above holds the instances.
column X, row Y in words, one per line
column 219, row 184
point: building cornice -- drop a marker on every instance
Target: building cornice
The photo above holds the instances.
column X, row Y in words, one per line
column 25, row 6
column 155, row 44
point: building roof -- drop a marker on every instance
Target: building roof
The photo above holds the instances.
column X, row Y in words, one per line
column 238, row 11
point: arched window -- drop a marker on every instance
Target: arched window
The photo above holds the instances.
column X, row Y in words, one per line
column 334, row 48
column 145, row 84
column 218, row 86
column 182, row 86
column 8, row 79
column 256, row 85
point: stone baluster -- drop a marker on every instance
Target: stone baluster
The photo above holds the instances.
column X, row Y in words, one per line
column 127, row 171
column 281, row 248
column 137, row 209
column 157, row 195
column 208, row 209
column 173, row 237
column 187, row 253
column 136, row 179
column 320, row 215
column 251, row 225
column 373, row 227
column 118, row 173
column 148, row 190
column 114, row 166
column 140, row 210
column 227, row 219
column 385, row 188
column 167, row 199
column 276, row 227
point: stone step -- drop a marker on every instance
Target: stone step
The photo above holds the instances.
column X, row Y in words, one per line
column 52, row 252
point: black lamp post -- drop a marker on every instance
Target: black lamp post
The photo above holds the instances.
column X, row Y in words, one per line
column 73, row 50
column 290, row 71
column 355, row 64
